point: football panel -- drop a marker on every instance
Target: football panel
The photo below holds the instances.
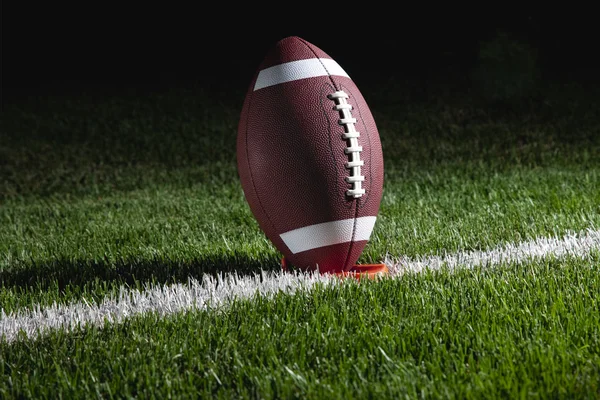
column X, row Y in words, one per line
column 296, row 160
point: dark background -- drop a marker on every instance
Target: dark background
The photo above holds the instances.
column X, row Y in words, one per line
column 99, row 45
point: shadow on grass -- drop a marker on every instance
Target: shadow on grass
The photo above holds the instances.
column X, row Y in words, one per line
column 79, row 273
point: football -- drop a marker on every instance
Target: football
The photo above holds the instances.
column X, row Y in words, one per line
column 309, row 158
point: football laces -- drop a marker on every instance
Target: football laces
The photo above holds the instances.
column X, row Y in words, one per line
column 353, row 149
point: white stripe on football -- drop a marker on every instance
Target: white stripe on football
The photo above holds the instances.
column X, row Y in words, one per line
column 295, row 70
column 329, row 233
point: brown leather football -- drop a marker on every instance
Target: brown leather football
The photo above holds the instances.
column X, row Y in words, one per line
column 309, row 158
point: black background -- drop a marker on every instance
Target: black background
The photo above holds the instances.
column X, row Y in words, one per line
column 220, row 45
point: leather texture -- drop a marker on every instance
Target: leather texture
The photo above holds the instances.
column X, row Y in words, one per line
column 291, row 158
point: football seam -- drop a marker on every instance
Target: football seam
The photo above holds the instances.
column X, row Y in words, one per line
column 325, row 87
column 351, row 246
column 322, row 64
column 355, row 201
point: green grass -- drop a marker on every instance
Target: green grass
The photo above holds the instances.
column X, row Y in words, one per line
column 516, row 331
column 100, row 191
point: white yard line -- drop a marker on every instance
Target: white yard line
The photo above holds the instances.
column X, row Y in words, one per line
column 212, row 292
column 574, row 245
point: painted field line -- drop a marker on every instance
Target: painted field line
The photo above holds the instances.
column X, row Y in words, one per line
column 214, row 292
column 573, row 245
